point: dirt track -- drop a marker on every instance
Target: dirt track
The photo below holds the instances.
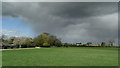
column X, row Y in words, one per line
column 18, row 49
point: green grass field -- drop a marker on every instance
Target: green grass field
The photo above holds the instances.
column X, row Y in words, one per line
column 71, row 56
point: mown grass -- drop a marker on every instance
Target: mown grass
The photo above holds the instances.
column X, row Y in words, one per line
column 71, row 56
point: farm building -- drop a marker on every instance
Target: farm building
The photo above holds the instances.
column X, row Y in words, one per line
column 80, row 44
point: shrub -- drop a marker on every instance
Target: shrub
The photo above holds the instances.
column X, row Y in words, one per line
column 46, row 44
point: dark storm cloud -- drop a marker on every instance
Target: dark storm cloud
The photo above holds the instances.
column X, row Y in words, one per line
column 82, row 9
column 75, row 9
column 73, row 22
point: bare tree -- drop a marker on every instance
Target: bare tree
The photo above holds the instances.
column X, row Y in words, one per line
column 20, row 41
column 111, row 42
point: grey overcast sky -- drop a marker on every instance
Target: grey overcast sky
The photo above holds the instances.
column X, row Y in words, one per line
column 71, row 21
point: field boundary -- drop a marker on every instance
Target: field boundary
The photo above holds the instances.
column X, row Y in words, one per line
column 18, row 48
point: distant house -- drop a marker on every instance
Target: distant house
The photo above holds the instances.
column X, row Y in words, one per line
column 78, row 44
column 84, row 44
column 94, row 45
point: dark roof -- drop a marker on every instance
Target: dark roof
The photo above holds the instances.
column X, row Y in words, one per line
column 78, row 43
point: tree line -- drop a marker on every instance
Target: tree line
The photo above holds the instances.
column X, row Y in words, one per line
column 42, row 40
